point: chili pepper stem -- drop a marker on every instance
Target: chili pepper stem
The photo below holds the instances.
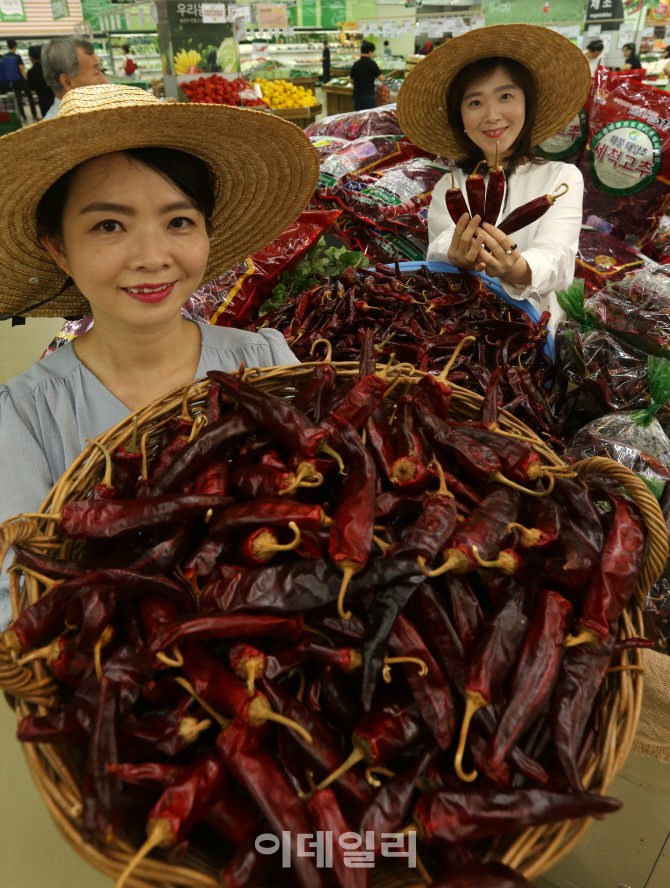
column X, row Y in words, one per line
column 501, row 479
column 265, row 545
column 260, row 712
column 12, row 643
column 303, row 681
column 382, row 545
column 377, row 769
column 586, row 636
column 49, row 652
column 224, row 722
column 357, row 755
column 388, row 661
column 473, row 702
column 160, row 836
column 105, row 638
column 306, row 476
column 324, row 447
column 177, row 661
column 355, row 661
column 404, row 470
column 530, row 536
column 380, row 348
column 198, row 425
column 503, row 562
column 456, row 560
column 474, row 172
column 443, row 375
column 443, row 490
column 329, row 353
column 107, row 477
column 349, row 569
column 190, row 728
column 320, row 633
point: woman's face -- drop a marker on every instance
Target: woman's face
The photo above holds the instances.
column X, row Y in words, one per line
column 627, row 52
column 493, row 110
column 134, row 244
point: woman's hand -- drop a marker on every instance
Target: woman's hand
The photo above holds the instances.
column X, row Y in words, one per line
column 466, row 244
column 504, row 261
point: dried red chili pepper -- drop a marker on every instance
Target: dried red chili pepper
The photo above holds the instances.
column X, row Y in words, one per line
column 432, row 619
column 247, row 866
column 88, row 519
column 169, row 733
column 468, row 617
column 616, row 575
column 490, row 409
column 544, row 517
column 203, row 627
column 314, row 392
column 475, row 187
column 434, row 395
column 495, row 192
column 429, row 686
column 276, row 512
column 212, row 479
column 328, row 819
column 491, row 662
column 277, row 416
column 353, row 523
column 258, row 772
column 456, row 205
column 180, row 807
column 582, row 671
column 484, row 529
column 102, row 794
column 530, row 212
column 583, row 515
column 517, row 458
column 536, row 671
column 476, row 458
column 470, row 814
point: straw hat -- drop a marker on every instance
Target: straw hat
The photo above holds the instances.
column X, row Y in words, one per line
column 561, row 72
column 265, row 170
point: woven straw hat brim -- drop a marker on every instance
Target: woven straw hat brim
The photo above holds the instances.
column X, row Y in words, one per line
column 265, row 167
column 560, row 68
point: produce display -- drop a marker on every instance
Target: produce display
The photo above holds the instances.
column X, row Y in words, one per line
column 284, row 94
column 356, row 610
column 217, row 90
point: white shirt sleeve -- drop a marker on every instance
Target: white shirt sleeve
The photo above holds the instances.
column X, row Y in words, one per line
column 440, row 224
column 551, row 255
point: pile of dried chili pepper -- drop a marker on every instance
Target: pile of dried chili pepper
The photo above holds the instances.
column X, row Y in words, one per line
column 346, row 613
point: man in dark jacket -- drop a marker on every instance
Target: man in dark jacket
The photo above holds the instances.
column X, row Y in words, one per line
column 363, row 74
column 325, row 61
column 15, row 74
column 36, row 81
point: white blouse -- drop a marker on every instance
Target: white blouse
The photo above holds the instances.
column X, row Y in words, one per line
column 549, row 245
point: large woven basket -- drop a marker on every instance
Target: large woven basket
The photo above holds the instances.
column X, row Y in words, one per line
column 30, row 688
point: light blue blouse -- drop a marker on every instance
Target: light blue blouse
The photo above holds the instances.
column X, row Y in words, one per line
column 46, row 412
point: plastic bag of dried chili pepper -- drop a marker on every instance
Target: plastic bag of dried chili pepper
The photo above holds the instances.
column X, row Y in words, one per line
column 396, row 197
column 603, row 259
column 229, row 300
column 627, row 168
column 362, row 155
column 325, row 145
column 568, row 144
column 383, row 247
column 69, row 331
column 660, row 248
column 381, row 121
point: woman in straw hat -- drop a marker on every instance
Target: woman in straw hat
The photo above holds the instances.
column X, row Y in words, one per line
column 138, row 203
column 510, row 86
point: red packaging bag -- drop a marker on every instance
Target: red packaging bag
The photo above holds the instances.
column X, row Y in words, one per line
column 381, row 121
column 360, row 156
column 603, row 259
column 627, row 169
column 325, row 145
column 568, row 144
column 396, row 197
column 229, row 300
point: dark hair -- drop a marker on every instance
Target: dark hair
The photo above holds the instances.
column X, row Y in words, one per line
column 11, row 43
column 366, row 47
column 386, row 43
column 35, row 53
column 630, row 46
column 185, row 171
column 596, row 46
column 126, row 47
column 523, row 78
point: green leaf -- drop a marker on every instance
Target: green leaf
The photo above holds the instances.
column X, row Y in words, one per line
column 659, row 391
column 572, row 302
column 655, row 485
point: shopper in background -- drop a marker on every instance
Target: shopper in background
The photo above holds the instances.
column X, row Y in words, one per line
column 69, row 62
column 633, row 62
column 594, row 52
column 36, row 81
column 15, row 75
column 325, row 61
column 427, row 48
column 497, row 86
column 129, row 235
column 363, row 74
column 387, row 49
column 666, row 55
column 128, row 68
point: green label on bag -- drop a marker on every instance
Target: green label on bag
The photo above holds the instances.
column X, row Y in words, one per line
column 625, row 157
column 566, row 142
